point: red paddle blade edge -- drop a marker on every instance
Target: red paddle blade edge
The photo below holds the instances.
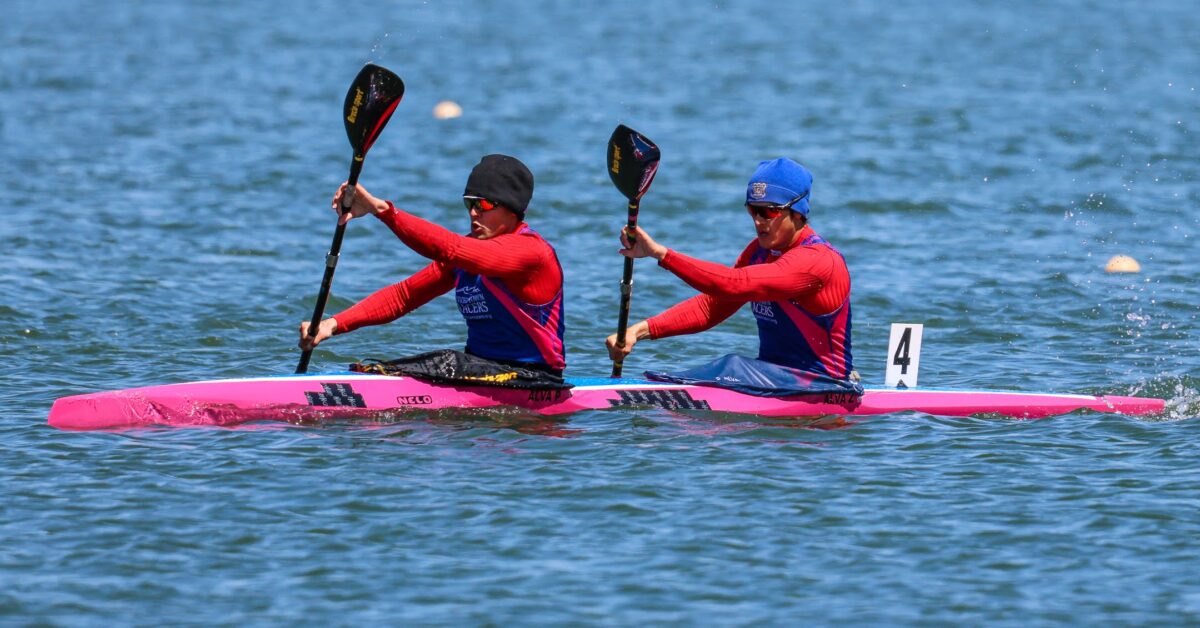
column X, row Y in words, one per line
column 632, row 161
column 369, row 104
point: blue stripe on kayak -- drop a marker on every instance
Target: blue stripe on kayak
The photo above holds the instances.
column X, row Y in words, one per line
column 608, row 381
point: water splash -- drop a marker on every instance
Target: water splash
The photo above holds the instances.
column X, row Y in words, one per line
column 1182, row 394
column 379, row 50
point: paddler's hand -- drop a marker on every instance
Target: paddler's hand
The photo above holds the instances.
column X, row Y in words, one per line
column 633, row 333
column 641, row 246
column 359, row 200
column 326, row 329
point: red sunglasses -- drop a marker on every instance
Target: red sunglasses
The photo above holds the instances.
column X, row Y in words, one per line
column 771, row 211
column 479, row 204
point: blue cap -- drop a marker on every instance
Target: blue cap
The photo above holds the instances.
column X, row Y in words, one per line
column 780, row 181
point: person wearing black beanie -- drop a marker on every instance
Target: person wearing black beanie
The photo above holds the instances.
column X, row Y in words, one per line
column 503, row 180
column 507, row 279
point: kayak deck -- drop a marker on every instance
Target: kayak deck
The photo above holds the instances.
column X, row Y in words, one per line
column 351, row 395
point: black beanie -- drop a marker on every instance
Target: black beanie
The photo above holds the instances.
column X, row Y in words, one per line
column 504, row 180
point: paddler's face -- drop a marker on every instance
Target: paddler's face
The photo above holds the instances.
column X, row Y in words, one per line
column 776, row 228
column 488, row 219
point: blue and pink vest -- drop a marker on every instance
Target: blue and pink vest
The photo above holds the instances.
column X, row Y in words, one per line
column 502, row 327
column 792, row 336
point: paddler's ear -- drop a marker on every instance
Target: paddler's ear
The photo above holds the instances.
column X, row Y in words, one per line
column 798, row 219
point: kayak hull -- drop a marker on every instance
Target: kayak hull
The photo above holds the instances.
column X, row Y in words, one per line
column 349, row 395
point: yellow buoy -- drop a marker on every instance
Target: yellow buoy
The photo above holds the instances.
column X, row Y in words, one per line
column 1122, row 264
column 447, row 109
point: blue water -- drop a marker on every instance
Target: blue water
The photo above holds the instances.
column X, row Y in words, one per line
column 166, row 175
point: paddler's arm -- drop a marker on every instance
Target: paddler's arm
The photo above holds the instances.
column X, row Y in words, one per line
column 501, row 256
column 427, row 239
column 800, row 271
column 526, row 259
column 494, row 257
column 385, row 305
column 797, row 273
column 694, row 315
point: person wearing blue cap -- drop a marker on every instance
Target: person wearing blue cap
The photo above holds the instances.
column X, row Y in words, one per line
column 797, row 283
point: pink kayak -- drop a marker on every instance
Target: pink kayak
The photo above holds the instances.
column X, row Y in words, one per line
column 351, row 395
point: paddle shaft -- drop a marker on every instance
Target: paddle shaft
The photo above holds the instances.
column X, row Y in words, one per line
column 626, row 286
column 331, row 260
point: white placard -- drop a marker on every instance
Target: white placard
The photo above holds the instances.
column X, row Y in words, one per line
column 904, row 355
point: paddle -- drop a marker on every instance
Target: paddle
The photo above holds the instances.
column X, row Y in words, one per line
column 632, row 164
column 369, row 104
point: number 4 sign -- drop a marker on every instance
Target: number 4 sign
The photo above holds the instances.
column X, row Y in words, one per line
column 904, row 355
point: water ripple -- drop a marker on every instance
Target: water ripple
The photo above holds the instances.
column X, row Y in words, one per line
column 170, row 168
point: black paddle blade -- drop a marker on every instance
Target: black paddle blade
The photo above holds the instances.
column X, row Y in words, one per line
column 369, row 104
column 632, row 162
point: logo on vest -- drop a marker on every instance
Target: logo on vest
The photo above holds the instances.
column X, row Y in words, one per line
column 763, row 310
column 474, row 310
column 471, row 302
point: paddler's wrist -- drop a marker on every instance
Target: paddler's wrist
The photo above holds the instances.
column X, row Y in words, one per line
column 382, row 208
column 660, row 253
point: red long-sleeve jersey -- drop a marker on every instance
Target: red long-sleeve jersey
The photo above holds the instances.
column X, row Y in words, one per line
column 524, row 263
column 815, row 277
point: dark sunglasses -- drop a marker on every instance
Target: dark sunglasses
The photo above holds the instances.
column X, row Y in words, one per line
column 478, row 204
column 771, row 211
